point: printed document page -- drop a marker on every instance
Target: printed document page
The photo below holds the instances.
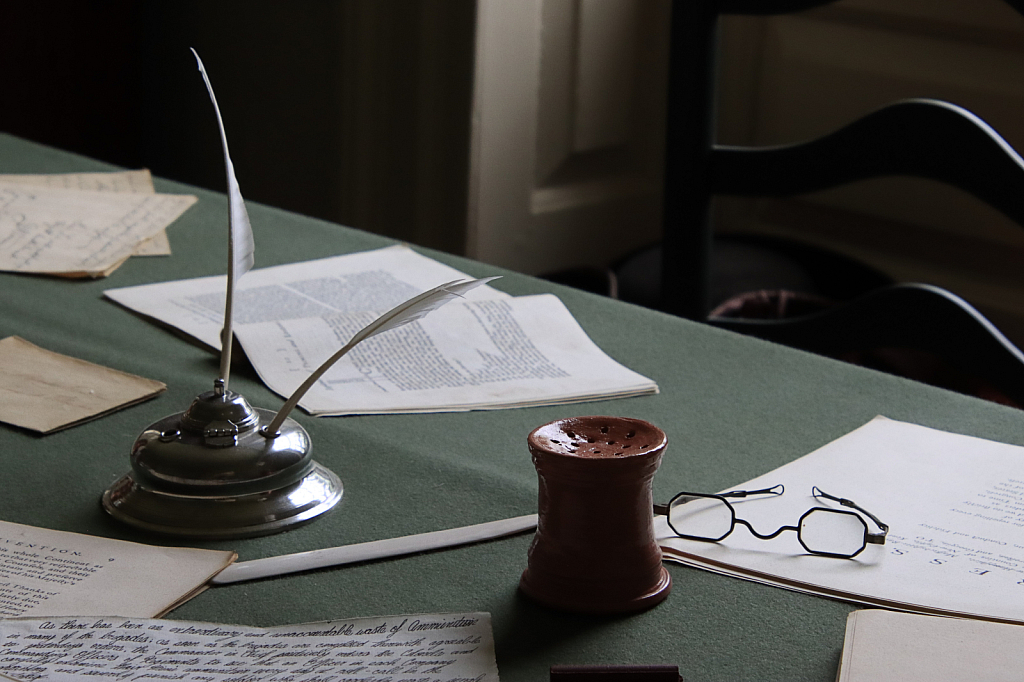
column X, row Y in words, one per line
column 451, row 647
column 486, row 351
column 375, row 280
column 486, row 354
column 954, row 504
column 54, row 573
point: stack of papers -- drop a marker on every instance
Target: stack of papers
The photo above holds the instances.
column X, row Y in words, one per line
column 488, row 351
column 954, row 505
column 83, row 224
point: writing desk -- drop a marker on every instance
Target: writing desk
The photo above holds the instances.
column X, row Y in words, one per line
column 732, row 407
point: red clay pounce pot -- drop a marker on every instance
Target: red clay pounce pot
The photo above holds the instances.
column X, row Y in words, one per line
column 594, row 551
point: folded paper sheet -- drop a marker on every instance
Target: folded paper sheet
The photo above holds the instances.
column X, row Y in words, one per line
column 886, row 645
column 954, row 504
column 488, row 351
column 46, row 391
column 450, row 647
column 78, row 233
column 53, row 573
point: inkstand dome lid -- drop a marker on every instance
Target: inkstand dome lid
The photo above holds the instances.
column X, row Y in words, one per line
column 211, row 472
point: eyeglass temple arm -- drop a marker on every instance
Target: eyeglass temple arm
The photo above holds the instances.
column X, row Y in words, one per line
column 774, row 490
column 872, row 538
column 662, row 509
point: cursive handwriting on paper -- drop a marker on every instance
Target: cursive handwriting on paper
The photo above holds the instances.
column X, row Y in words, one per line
column 425, row 648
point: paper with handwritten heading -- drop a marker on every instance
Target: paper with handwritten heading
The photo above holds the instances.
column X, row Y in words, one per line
column 47, row 572
column 133, row 181
column 420, row 648
column 78, row 233
column 954, row 504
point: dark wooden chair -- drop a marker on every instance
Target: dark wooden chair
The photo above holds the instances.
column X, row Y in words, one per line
column 915, row 330
column 919, row 137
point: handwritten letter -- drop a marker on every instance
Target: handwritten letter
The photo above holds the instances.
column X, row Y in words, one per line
column 423, row 648
column 78, row 232
column 136, row 181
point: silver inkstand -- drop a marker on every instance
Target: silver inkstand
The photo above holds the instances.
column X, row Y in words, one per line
column 213, row 472
column 221, row 468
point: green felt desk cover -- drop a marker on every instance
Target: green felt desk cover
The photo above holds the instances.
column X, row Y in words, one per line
column 732, row 407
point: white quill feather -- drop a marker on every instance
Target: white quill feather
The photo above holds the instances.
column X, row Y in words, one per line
column 241, row 245
column 404, row 313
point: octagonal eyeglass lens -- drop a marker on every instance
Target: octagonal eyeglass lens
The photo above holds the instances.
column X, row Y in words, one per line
column 702, row 517
column 832, row 531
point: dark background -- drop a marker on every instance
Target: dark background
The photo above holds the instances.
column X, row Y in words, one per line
column 354, row 111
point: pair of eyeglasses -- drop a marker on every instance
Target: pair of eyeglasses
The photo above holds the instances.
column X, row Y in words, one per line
column 821, row 530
